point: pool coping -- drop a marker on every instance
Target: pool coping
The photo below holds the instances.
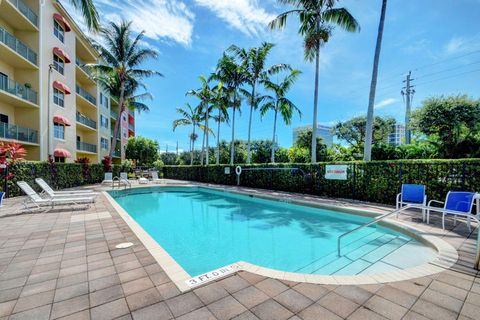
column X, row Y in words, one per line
column 445, row 259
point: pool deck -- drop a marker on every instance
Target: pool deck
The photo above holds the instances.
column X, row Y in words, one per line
column 64, row 264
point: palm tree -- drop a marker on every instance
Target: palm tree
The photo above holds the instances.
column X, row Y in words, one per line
column 122, row 55
column 280, row 103
column 189, row 117
column 254, row 61
column 317, row 20
column 89, row 13
column 367, row 153
column 232, row 75
column 220, row 102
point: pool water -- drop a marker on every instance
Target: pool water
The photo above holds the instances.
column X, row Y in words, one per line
column 204, row 229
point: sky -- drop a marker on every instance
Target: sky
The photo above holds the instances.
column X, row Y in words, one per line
column 438, row 40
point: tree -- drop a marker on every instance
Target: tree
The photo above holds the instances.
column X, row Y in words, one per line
column 280, row 103
column 169, row 158
column 452, row 123
column 253, row 61
column 373, row 85
column 261, row 150
column 189, row 117
column 317, row 19
column 220, row 102
column 89, row 13
column 143, row 150
column 121, row 54
column 303, row 142
column 353, row 131
column 233, row 76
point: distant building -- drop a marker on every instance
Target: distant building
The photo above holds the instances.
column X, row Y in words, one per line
column 323, row 132
column 397, row 136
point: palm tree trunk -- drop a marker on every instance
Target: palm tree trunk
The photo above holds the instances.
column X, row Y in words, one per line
column 218, row 137
column 119, row 117
column 252, row 105
column 193, row 145
column 203, row 148
column 232, row 147
column 367, row 153
column 274, row 133
column 207, row 133
column 315, row 102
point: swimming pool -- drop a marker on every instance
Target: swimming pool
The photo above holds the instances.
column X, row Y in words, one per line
column 204, row 229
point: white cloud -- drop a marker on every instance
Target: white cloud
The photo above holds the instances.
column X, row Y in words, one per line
column 167, row 20
column 244, row 15
column 386, row 102
column 462, row 44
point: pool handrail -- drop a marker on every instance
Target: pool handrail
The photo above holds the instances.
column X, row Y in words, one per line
column 377, row 219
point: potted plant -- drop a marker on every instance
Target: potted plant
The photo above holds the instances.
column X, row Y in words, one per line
column 28, row 85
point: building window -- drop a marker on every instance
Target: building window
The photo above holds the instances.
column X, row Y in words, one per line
column 104, row 143
column 58, row 64
column 3, row 118
column 124, row 117
column 124, row 131
column 103, row 121
column 58, row 31
column 59, row 131
column 58, row 97
column 60, row 159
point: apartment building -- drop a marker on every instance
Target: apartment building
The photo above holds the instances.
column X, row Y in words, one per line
column 323, row 132
column 397, row 136
column 48, row 101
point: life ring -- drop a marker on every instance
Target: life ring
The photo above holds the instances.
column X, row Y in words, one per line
column 238, row 170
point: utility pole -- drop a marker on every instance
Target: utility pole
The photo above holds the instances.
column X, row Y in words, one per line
column 407, row 93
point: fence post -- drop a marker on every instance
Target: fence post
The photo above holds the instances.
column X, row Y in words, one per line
column 353, row 180
column 463, row 175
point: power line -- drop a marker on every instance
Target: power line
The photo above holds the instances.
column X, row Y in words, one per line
column 446, row 70
column 449, row 77
column 447, row 59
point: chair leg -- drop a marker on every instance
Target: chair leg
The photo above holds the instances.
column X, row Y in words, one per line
column 455, row 220
column 443, row 221
column 428, row 216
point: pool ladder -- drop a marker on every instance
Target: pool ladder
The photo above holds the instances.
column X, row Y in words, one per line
column 377, row 219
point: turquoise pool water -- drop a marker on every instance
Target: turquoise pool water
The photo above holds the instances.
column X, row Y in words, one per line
column 203, row 229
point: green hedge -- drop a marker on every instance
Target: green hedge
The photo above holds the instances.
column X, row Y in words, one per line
column 375, row 181
column 59, row 175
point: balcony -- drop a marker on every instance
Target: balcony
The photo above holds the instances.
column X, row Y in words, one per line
column 14, row 132
column 117, row 154
column 114, row 114
column 19, row 48
column 84, row 75
column 19, row 94
column 84, row 94
column 131, row 127
column 26, row 11
column 86, row 121
column 83, row 146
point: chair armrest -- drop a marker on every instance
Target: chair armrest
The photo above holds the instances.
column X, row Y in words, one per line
column 398, row 197
column 434, row 201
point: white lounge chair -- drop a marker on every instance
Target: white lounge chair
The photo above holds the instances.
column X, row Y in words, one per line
column 155, row 178
column 108, row 178
column 54, row 194
column 37, row 201
column 124, row 180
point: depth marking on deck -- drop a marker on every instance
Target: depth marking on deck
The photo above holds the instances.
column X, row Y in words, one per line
column 212, row 275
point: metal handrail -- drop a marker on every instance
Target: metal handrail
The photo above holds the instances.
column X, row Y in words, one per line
column 377, row 219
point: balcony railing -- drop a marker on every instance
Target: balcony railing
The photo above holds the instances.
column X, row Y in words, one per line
column 26, row 11
column 86, row 121
column 131, row 127
column 83, row 146
column 83, row 93
column 18, row 46
column 14, row 132
column 82, row 66
column 117, row 153
column 114, row 114
column 18, row 90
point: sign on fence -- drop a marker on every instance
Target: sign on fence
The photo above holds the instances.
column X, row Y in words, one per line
column 227, row 170
column 336, row 171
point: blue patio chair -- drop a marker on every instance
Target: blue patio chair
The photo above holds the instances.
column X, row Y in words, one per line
column 413, row 195
column 2, row 194
column 457, row 203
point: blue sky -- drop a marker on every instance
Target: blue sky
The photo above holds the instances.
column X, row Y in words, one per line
column 439, row 40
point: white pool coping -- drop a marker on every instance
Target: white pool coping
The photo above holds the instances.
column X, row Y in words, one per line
column 447, row 255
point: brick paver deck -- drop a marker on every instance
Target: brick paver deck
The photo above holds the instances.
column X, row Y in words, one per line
column 64, row 264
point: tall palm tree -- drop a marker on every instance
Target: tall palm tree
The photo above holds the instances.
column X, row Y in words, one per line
column 367, row 153
column 232, row 75
column 280, row 103
column 121, row 55
column 254, row 60
column 89, row 13
column 317, row 19
column 189, row 117
column 220, row 103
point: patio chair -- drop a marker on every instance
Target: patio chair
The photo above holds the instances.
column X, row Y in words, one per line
column 58, row 194
column 412, row 195
column 37, row 201
column 124, row 179
column 108, row 178
column 155, row 178
column 2, row 194
column 457, row 203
